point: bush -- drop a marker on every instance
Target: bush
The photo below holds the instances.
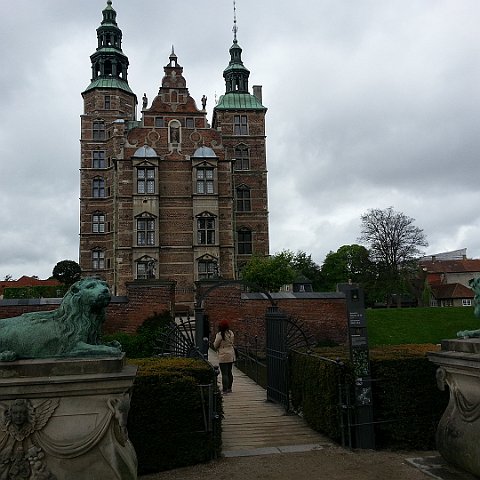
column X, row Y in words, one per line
column 168, row 420
column 407, row 404
column 142, row 344
column 39, row 291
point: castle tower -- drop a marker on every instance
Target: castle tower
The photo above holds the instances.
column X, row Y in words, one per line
column 240, row 117
column 168, row 197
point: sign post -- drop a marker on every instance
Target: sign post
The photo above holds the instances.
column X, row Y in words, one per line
column 360, row 358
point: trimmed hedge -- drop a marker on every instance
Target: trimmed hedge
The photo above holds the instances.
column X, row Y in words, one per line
column 39, row 291
column 407, row 404
column 169, row 407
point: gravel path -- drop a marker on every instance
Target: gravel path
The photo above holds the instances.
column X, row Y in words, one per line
column 331, row 463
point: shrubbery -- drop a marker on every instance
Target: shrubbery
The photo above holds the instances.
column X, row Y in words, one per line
column 39, row 291
column 407, row 404
column 143, row 343
column 168, row 421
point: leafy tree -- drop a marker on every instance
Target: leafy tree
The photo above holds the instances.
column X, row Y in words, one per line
column 67, row 272
column 269, row 273
column 394, row 243
column 303, row 263
column 348, row 263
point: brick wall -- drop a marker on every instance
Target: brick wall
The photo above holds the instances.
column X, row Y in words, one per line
column 124, row 314
column 323, row 315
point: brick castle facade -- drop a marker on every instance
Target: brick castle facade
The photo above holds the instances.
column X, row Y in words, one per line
column 167, row 197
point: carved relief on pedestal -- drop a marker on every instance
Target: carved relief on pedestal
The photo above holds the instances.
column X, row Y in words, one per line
column 20, row 455
column 28, row 451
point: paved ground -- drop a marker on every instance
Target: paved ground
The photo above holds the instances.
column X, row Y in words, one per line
column 331, row 463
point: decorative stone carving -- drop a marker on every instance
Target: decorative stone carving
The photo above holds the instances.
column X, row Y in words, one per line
column 56, row 425
column 20, row 455
column 458, row 432
column 72, row 330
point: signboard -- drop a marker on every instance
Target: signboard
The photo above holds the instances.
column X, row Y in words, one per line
column 360, row 358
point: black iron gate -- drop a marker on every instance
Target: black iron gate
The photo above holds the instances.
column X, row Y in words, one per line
column 277, row 357
column 283, row 334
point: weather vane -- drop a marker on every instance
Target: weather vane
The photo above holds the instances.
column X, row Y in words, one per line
column 235, row 28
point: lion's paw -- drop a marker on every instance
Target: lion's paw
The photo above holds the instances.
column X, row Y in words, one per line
column 8, row 356
column 114, row 344
column 468, row 334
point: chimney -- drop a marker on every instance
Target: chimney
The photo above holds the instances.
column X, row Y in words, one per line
column 257, row 92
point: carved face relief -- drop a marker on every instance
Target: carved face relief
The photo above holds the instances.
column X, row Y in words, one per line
column 18, row 414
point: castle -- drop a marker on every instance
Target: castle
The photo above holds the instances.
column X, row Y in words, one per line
column 167, row 196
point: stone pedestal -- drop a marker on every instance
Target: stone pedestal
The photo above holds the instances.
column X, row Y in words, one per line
column 458, row 433
column 65, row 419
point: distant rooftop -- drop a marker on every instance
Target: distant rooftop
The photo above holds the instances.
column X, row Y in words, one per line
column 452, row 255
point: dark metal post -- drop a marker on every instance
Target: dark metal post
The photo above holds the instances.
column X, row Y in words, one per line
column 359, row 356
column 200, row 342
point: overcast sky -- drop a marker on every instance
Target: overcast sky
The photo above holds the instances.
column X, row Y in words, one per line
column 371, row 104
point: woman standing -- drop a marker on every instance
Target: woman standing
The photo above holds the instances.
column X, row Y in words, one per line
column 223, row 344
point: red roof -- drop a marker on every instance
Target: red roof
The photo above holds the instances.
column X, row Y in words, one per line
column 451, row 290
column 451, row 266
column 25, row 281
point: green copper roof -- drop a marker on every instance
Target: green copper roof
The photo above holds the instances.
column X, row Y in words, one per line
column 239, row 101
column 109, row 83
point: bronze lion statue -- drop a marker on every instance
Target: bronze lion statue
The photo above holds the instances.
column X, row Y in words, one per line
column 475, row 285
column 72, row 330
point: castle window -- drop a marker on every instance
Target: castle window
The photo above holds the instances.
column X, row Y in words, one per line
column 145, row 268
column 205, row 180
column 159, row 122
column 98, row 259
column 242, row 159
column 98, row 187
column 244, row 242
column 145, row 180
column 98, row 222
column 189, row 123
column 206, row 230
column 98, row 159
column 207, row 269
column 106, row 99
column 240, row 126
column 145, row 231
column 243, row 199
column 99, row 130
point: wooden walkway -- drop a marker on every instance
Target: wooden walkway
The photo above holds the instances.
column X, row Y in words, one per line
column 253, row 426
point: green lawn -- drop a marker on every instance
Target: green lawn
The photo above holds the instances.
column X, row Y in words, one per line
column 396, row 326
